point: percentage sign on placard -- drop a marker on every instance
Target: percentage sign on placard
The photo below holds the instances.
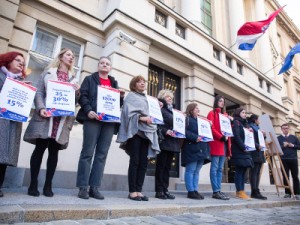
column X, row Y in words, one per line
column 20, row 104
column 64, row 99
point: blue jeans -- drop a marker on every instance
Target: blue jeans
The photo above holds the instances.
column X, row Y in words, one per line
column 191, row 175
column 97, row 138
column 239, row 178
column 216, row 167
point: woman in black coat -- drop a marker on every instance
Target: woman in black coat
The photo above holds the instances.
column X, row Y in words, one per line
column 241, row 158
column 258, row 160
column 195, row 153
column 169, row 146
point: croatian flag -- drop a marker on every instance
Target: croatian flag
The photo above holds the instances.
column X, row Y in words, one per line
column 248, row 34
column 289, row 58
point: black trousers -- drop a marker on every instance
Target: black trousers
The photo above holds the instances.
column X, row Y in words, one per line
column 2, row 173
column 291, row 165
column 36, row 160
column 254, row 176
column 138, row 151
column 163, row 166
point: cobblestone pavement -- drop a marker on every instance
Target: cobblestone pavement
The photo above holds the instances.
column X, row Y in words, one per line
column 276, row 216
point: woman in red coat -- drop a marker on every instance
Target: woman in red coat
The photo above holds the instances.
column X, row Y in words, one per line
column 219, row 148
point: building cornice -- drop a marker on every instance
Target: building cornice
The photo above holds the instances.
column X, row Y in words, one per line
column 285, row 22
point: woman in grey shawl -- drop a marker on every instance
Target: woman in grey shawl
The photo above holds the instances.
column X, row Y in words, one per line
column 138, row 136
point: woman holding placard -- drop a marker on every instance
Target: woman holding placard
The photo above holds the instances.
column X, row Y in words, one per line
column 241, row 158
column 138, row 136
column 220, row 147
column 258, row 159
column 169, row 145
column 12, row 65
column 195, row 153
column 49, row 132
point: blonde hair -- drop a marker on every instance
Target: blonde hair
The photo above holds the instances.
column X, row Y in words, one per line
column 162, row 94
column 57, row 60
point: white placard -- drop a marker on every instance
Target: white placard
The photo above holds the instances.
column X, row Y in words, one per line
column 108, row 104
column 16, row 100
column 225, row 125
column 154, row 110
column 178, row 124
column 60, row 100
column 261, row 140
column 204, row 129
column 249, row 140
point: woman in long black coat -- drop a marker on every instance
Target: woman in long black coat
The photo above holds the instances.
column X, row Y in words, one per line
column 169, row 146
column 241, row 158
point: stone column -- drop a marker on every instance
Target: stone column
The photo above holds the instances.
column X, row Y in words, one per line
column 190, row 9
column 264, row 48
column 236, row 20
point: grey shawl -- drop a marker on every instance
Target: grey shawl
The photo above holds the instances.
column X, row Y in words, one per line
column 40, row 127
column 136, row 105
column 10, row 136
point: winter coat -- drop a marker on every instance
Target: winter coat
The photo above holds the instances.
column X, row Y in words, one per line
column 10, row 136
column 217, row 147
column 40, row 127
column 193, row 151
column 88, row 95
column 289, row 152
column 240, row 157
column 257, row 155
column 168, row 143
column 136, row 105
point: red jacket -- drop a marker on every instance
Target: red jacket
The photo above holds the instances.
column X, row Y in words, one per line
column 217, row 146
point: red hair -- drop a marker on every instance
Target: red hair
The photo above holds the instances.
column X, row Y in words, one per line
column 7, row 58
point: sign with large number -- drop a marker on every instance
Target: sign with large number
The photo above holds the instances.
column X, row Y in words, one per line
column 16, row 100
column 204, row 129
column 108, row 104
column 60, row 100
column 225, row 125
column 154, row 110
column 249, row 140
column 178, row 124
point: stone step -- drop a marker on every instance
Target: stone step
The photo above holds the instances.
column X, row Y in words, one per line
column 226, row 187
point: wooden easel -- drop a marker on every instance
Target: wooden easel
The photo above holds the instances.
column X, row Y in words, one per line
column 273, row 157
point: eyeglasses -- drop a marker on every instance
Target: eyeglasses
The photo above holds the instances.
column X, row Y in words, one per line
column 20, row 61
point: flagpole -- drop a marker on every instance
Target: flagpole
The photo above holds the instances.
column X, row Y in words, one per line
column 232, row 45
column 273, row 68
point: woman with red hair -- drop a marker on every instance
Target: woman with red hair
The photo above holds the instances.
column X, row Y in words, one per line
column 12, row 65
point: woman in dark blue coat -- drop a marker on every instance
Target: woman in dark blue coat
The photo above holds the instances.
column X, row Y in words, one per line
column 195, row 153
column 258, row 160
column 169, row 146
column 241, row 158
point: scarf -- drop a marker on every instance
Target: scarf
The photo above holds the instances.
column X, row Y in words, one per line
column 10, row 74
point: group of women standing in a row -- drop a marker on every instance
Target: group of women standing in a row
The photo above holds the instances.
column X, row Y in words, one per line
column 137, row 135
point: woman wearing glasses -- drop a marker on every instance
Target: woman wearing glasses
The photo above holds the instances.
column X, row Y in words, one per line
column 12, row 65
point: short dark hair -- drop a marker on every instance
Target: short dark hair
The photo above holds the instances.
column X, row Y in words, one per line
column 253, row 117
column 284, row 125
column 132, row 84
column 104, row 57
